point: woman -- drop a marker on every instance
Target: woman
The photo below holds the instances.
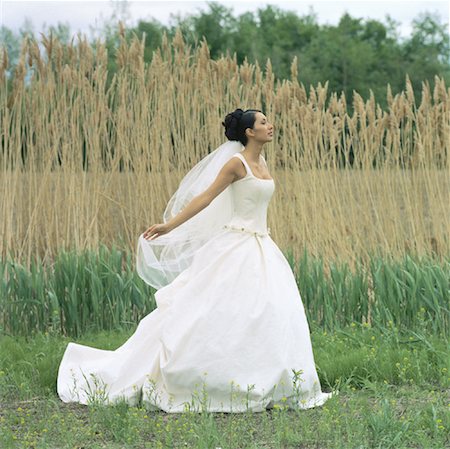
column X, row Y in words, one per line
column 229, row 332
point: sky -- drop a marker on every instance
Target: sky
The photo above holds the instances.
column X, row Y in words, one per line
column 87, row 16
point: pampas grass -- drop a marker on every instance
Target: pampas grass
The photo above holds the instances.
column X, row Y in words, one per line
column 85, row 161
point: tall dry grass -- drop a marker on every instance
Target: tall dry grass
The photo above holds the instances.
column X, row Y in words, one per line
column 85, row 162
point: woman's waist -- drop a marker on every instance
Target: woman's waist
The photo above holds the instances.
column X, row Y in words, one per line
column 249, row 226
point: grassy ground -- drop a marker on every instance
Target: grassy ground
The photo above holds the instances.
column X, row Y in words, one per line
column 394, row 393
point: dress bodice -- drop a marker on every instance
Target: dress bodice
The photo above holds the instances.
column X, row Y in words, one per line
column 251, row 197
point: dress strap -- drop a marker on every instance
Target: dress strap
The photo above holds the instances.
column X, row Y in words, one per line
column 242, row 158
column 265, row 163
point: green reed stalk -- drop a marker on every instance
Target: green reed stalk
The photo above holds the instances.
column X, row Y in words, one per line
column 91, row 291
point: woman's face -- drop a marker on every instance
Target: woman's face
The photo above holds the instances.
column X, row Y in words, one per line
column 262, row 129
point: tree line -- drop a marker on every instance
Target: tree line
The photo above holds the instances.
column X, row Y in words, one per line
column 354, row 55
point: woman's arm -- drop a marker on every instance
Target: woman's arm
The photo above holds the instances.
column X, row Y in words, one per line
column 229, row 173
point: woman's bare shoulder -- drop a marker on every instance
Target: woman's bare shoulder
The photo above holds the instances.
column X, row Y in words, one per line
column 235, row 165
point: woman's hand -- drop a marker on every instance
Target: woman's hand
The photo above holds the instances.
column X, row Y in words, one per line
column 156, row 230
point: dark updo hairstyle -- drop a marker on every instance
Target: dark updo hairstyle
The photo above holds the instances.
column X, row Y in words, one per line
column 237, row 122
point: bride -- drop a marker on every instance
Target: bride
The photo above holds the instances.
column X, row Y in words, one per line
column 229, row 333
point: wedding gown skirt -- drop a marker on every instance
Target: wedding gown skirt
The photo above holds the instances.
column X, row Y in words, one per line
column 229, row 334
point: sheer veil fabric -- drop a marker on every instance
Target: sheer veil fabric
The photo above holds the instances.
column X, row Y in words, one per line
column 161, row 260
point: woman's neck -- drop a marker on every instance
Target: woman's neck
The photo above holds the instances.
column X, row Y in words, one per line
column 252, row 151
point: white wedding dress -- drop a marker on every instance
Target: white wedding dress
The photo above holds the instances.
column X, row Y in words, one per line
column 228, row 334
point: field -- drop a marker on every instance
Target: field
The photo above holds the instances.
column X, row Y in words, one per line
column 394, row 393
column 86, row 161
column 381, row 340
column 337, row 214
column 361, row 211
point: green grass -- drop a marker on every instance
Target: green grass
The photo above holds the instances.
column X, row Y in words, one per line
column 379, row 334
column 94, row 291
column 394, row 393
